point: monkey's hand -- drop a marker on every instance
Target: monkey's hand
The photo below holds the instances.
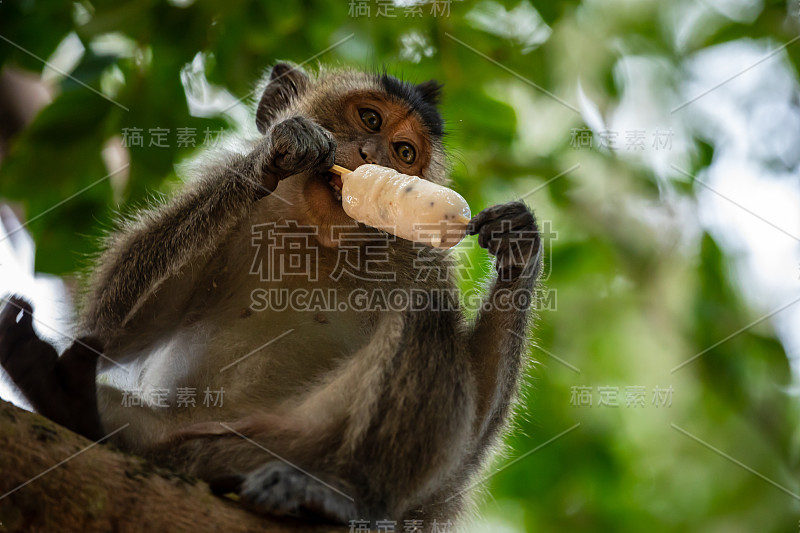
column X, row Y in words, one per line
column 509, row 232
column 294, row 146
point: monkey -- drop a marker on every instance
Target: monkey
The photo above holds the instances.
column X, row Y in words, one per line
column 335, row 415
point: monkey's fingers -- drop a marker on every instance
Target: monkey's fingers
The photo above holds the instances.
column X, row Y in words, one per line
column 300, row 145
column 518, row 228
column 495, row 212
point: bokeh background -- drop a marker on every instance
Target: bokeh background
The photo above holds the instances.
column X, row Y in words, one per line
column 658, row 142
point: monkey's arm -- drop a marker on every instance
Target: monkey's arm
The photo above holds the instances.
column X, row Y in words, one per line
column 498, row 341
column 161, row 242
column 411, row 419
column 175, row 240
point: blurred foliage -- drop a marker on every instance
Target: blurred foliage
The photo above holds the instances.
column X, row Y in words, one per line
column 632, row 302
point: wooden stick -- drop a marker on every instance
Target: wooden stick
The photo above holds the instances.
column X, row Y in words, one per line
column 341, row 171
column 336, row 169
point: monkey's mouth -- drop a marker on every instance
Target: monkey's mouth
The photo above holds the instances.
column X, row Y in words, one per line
column 335, row 183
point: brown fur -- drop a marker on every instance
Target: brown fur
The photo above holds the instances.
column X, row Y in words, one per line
column 399, row 408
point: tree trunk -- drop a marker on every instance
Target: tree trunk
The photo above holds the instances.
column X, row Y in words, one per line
column 52, row 480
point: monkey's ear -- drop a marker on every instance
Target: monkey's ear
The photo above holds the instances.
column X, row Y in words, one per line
column 286, row 82
column 430, row 91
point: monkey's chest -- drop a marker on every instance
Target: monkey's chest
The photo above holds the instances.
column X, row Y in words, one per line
column 266, row 334
column 271, row 354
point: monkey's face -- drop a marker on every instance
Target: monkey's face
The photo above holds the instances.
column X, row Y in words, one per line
column 375, row 119
column 374, row 129
column 371, row 128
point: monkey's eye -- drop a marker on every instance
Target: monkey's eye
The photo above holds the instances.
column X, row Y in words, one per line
column 406, row 152
column 371, row 119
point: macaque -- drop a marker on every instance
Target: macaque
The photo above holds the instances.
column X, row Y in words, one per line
column 335, row 415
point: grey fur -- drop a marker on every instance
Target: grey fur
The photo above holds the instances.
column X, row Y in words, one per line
column 401, row 408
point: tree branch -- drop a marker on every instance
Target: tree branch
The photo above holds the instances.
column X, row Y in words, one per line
column 54, row 480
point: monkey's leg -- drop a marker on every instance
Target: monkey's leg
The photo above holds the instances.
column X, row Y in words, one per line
column 60, row 388
column 406, row 405
column 498, row 341
column 278, row 463
column 387, row 430
column 144, row 278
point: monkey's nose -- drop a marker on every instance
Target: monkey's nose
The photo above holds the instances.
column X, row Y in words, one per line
column 366, row 157
column 371, row 151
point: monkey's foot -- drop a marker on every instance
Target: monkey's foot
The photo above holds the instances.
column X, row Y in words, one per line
column 278, row 489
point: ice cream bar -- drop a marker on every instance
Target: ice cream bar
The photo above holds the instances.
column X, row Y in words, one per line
column 407, row 206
